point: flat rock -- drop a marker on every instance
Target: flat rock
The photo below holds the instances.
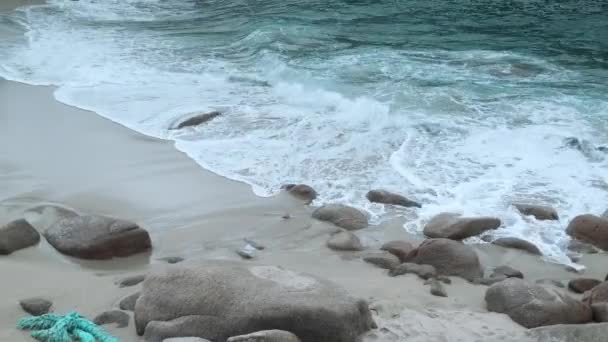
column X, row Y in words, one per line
column 342, row 216
column 344, row 241
column 455, row 227
column 422, row 271
column 449, row 257
column 517, row 243
column 131, row 280
column 386, row 197
column 533, row 305
column 97, row 237
column 382, row 259
column 540, row 212
column 581, row 285
column 120, row 318
column 217, row 299
column 591, row 229
column 36, row 306
column 128, row 302
column 198, row 119
column 301, row 191
column 172, row 259
column 399, row 248
column 266, row 336
column 570, row 333
column 507, row 271
column 17, row 235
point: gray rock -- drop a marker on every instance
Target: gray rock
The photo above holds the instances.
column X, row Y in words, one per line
column 383, row 260
column 570, row 333
column 552, row 282
column 36, row 306
column 600, row 312
column 386, row 197
column 198, row 119
column 131, row 280
column 301, row 191
column 591, row 229
column 533, row 305
column 121, row 318
column 217, row 299
column 456, row 227
column 185, row 339
column 598, row 294
column 582, row 285
column 422, row 271
column 97, row 237
column 266, row 336
column 247, row 252
column 517, row 243
column 344, row 241
column 172, row 260
column 507, row 271
column 254, row 244
column 540, row 212
column 399, row 248
column 17, row 235
column 437, row 288
column 582, row 247
column 449, row 257
column 444, row 279
column 128, row 302
column 342, row 216
column 490, row 281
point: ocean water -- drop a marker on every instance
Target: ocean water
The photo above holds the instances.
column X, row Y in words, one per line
column 464, row 106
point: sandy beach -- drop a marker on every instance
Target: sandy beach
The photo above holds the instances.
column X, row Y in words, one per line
column 56, row 155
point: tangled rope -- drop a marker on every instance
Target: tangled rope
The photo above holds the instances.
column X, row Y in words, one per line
column 69, row 328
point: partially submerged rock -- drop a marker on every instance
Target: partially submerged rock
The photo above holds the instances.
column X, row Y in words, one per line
column 422, row 271
column 449, row 257
column 36, row 306
column 386, row 197
column 247, row 251
column 591, row 229
column 533, row 305
column 507, row 271
column 517, row 243
column 344, row 241
column 399, row 248
column 455, row 227
column 582, row 285
column 382, row 259
column 301, row 191
column 97, row 237
column 342, row 216
column 120, row 318
column 172, row 259
column 17, row 235
column 540, row 212
column 128, row 302
column 131, row 280
column 198, row 119
column 217, row 299
column 266, row 336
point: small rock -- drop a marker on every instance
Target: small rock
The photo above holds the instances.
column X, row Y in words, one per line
column 437, row 288
column 247, row 252
column 581, row 285
column 490, row 281
column 600, row 312
column 517, row 243
column 423, row 271
column 386, row 197
column 582, row 247
column 344, row 241
column 507, row 271
column 591, row 229
column 540, row 212
column 455, row 227
column 185, row 339
column 301, row 191
column 266, row 336
column 449, row 257
column 552, row 282
column 36, row 306
column 286, row 216
column 121, row 318
column 399, row 248
column 383, row 260
column 128, row 302
column 444, row 279
column 342, row 216
column 132, row 280
column 255, row 244
column 198, row 119
column 172, row 260
column 17, row 235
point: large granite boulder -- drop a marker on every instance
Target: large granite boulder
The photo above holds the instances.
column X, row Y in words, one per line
column 342, row 216
column 301, row 191
column 591, row 229
column 455, row 227
column 17, row 235
column 449, row 257
column 217, row 299
column 532, row 305
column 517, row 243
column 540, row 212
column 386, row 197
column 399, row 248
column 97, row 237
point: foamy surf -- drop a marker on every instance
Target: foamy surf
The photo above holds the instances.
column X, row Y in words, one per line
column 467, row 130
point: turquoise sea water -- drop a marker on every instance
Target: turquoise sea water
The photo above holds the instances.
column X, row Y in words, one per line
column 462, row 105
